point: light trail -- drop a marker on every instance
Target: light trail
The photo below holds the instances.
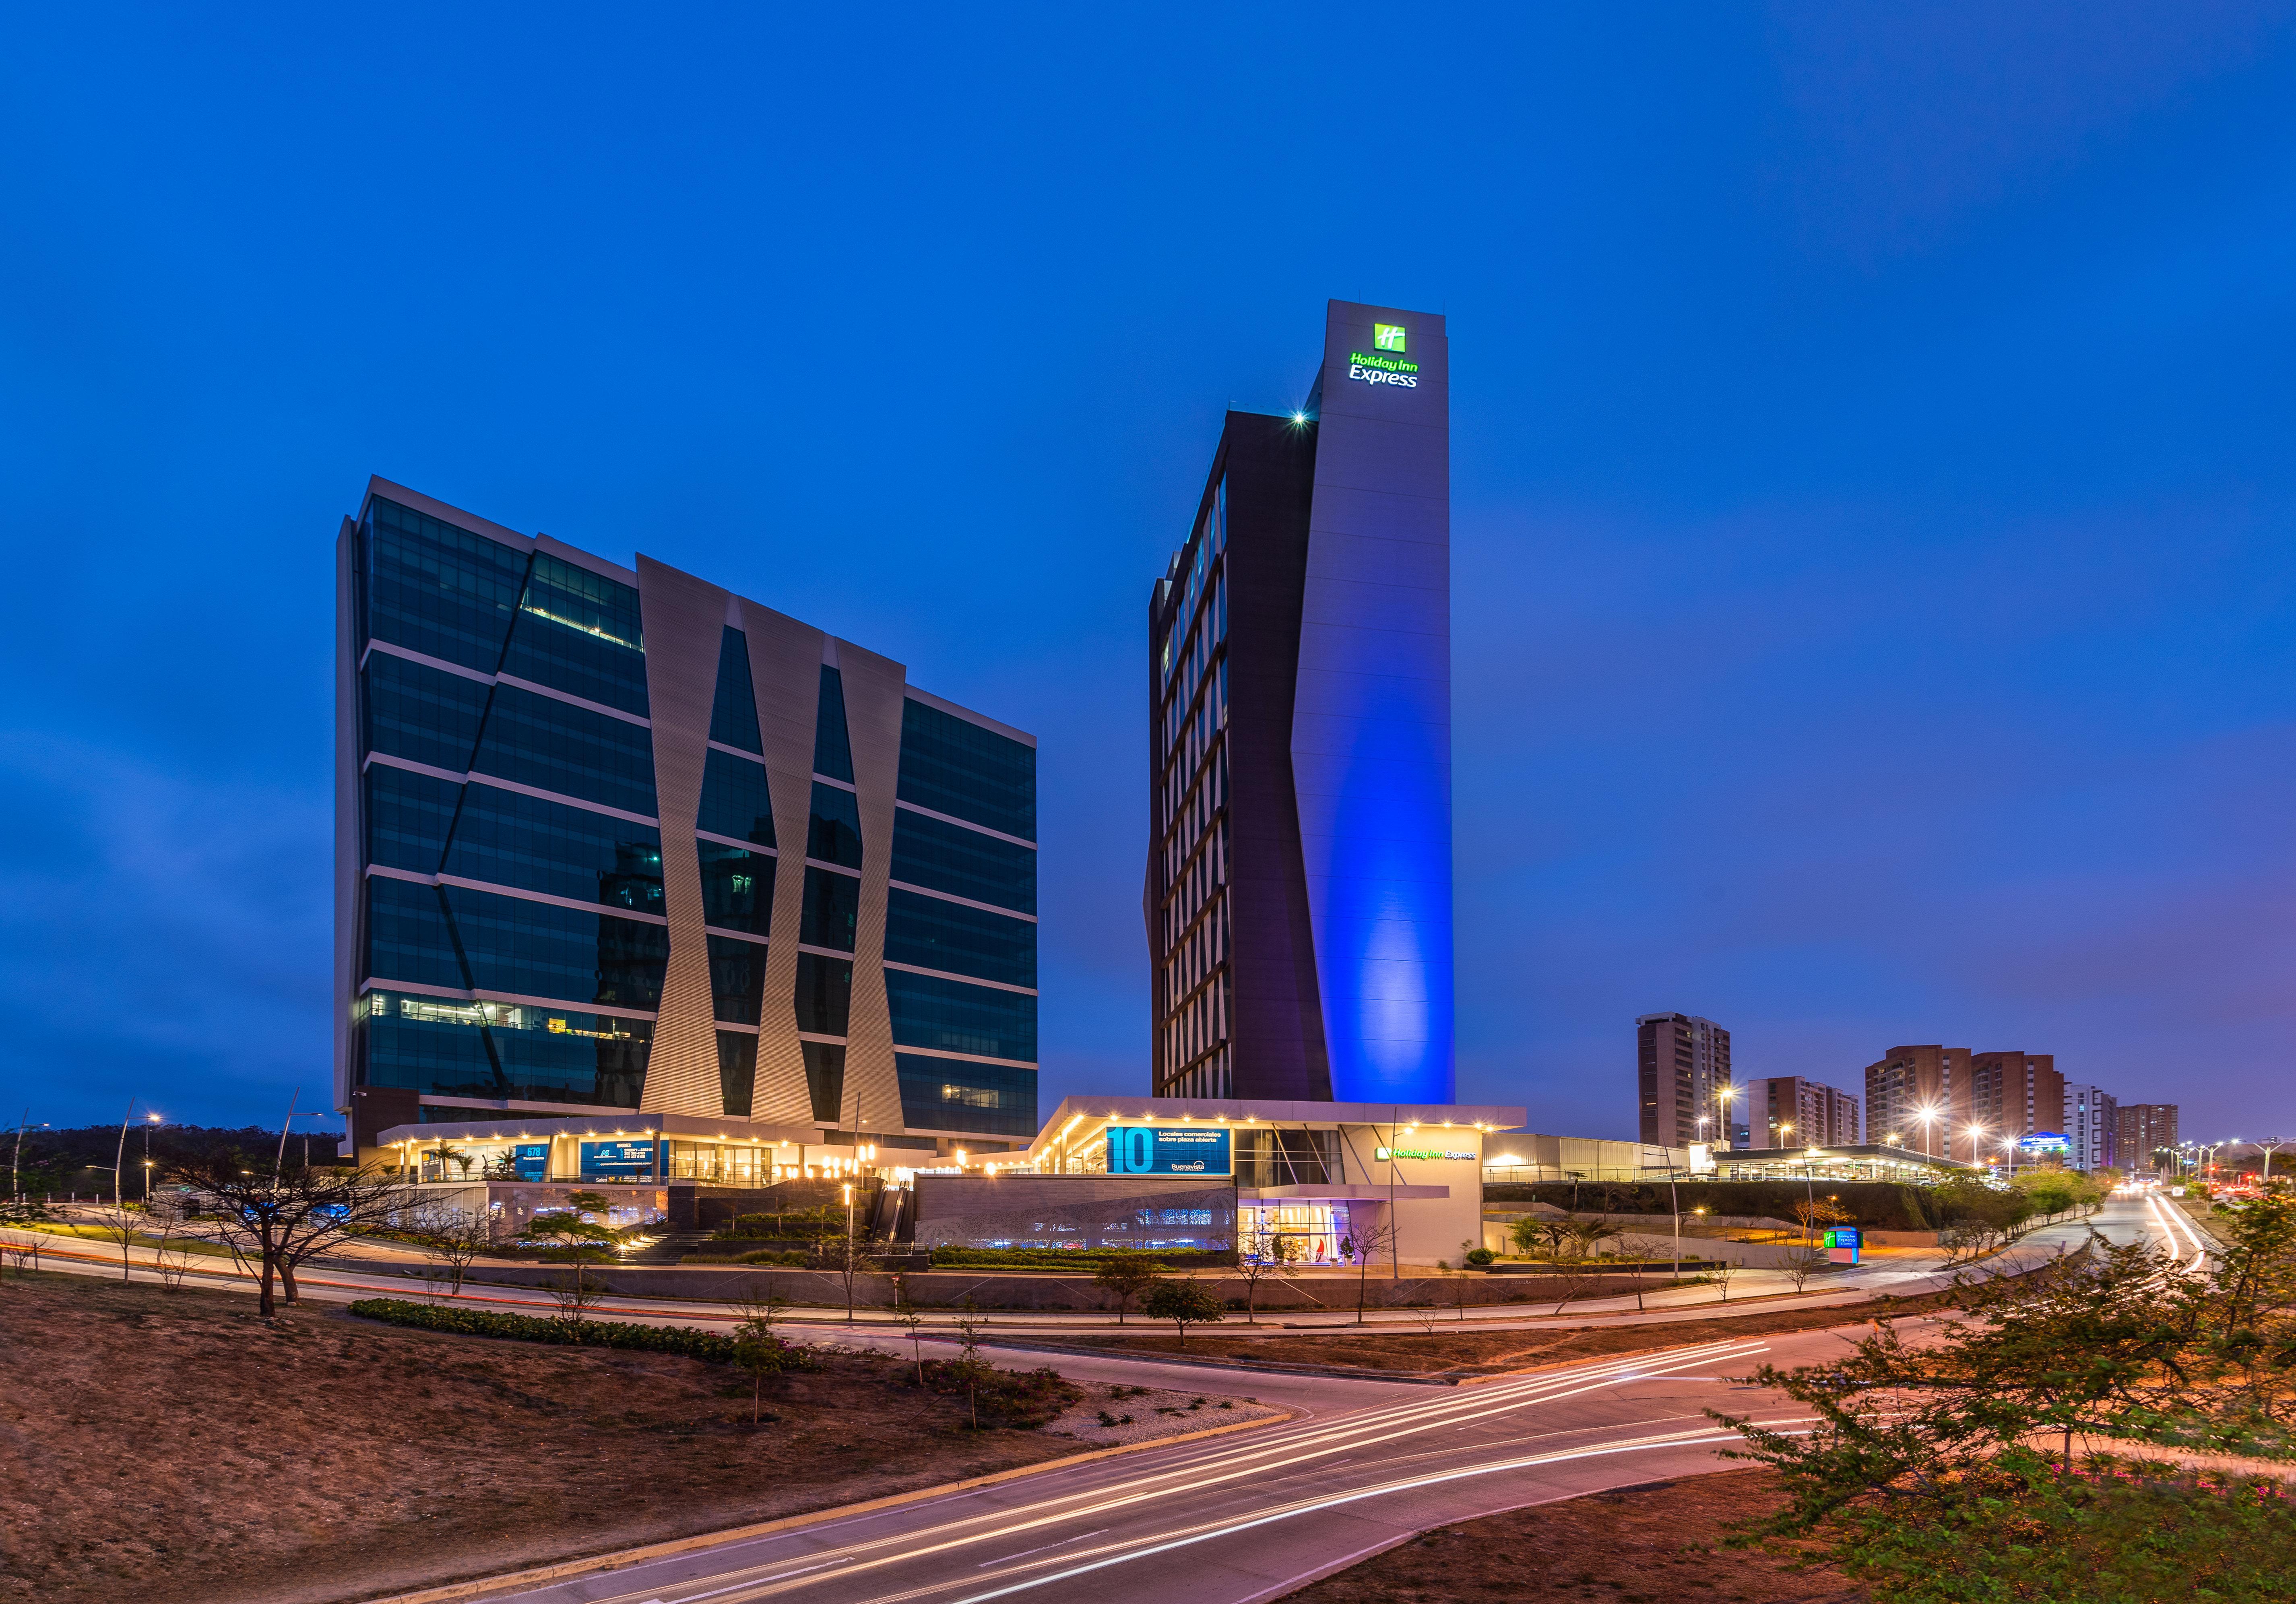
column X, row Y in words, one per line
column 1197, row 1469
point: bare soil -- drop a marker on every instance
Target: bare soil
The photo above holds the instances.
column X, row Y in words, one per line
column 1432, row 1350
column 1657, row 1543
column 173, row 1446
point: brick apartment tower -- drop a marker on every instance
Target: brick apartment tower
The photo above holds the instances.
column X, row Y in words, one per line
column 1681, row 1069
column 1908, row 1082
column 2016, row 1094
column 1819, row 1115
column 2146, row 1131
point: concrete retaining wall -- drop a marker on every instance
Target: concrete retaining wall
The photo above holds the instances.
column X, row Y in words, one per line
column 995, row 1289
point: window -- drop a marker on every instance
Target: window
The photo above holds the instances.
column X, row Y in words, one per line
column 555, row 745
column 737, row 979
column 733, row 716
column 737, row 887
column 833, row 906
column 824, row 994
column 514, row 839
column 937, row 935
column 833, row 836
column 941, row 856
column 421, row 714
column 737, row 1071
column 950, row 1094
column 956, row 1018
column 408, row 817
column 824, row 1079
column 577, row 632
column 833, row 751
column 952, row 765
column 437, row 589
column 735, row 800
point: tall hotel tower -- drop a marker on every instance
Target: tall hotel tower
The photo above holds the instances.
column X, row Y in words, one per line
column 1298, row 884
column 623, row 847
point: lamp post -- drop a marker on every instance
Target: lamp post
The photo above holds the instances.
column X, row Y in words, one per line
column 1927, row 1114
column 150, row 1119
column 1973, row 1133
column 2269, row 1145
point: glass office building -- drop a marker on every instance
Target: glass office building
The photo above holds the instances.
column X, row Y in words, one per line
column 1298, row 879
column 617, row 842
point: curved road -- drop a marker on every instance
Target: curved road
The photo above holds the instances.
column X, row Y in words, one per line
column 1254, row 1514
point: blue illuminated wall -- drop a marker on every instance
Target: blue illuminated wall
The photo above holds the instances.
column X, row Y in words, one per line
column 1370, row 730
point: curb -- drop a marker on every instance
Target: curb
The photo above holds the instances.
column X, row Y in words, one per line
column 562, row 1570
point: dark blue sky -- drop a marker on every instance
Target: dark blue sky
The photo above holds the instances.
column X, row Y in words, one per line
column 1872, row 474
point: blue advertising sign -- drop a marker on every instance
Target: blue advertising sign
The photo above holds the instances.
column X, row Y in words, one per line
column 618, row 1161
column 531, row 1161
column 1168, row 1151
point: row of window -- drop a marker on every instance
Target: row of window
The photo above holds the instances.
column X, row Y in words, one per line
column 495, row 1050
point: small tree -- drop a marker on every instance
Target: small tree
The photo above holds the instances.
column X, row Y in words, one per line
column 1125, row 1276
column 1802, row 1261
column 1576, row 1273
column 1721, row 1268
column 27, row 1218
column 455, row 1243
column 908, row 1316
column 275, row 1222
column 969, row 1363
column 1185, row 1302
column 1277, row 1262
column 455, row 1156
column 1372, row 1237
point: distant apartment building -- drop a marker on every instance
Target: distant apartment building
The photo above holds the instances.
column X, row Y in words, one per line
column 1917, row 1098
column 1683, row 1078
column 2091, row 1126
column 2015, row 1094
column 2146, row 1131
column 1787, row 1110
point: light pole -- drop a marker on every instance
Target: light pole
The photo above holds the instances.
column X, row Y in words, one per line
column 121, row 1158
column 1973, row 1133
column 2269, row 1144
column 1927, row 1114
column 150, row 1119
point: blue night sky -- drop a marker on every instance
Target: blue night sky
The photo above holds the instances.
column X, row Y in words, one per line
column 1871, row 477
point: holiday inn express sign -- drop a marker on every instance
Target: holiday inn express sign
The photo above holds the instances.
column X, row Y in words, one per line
column 1387, row 364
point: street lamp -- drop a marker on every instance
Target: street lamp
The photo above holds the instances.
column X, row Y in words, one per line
column 1927, row 1114
column 1973, row 1132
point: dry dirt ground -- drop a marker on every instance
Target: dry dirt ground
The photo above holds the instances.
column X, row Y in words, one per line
column 1432, row 1350
column 1659, row 1544
column 170, row 1446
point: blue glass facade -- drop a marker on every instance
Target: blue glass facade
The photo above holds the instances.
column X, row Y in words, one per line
column 514, row 919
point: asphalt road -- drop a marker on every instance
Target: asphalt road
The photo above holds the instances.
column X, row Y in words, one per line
column 1256, row 1514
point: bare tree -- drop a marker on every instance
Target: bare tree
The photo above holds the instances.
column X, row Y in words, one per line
column 1801, row 1262
column 1372, row 1236
column 1645, row 1250
column 847, row 1257
column 455, row 1243
column 1575, row 1272
column 1721, row 1268
column 119, row 1223
column 276, row 1222
column 1277, row 1261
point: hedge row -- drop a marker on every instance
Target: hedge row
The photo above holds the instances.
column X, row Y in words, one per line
column 1072, row 1258
column 708, row 1346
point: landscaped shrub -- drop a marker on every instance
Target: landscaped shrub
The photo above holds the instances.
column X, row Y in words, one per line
column 708, row 1346
column 763, row 1256
column 1024, row 1400
column 1481, row 1256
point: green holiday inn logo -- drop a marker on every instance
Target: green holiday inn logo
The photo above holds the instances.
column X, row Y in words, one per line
column 1386, row 363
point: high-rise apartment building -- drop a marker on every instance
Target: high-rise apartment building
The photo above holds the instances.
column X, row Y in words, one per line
column 2147, row 1136
column 1297, row 893
column 1917, row 1099
column 2092, row 1127
column 1787, row 1110
column 1682, row 1084
column 2014, row 1095
column 616, row 842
